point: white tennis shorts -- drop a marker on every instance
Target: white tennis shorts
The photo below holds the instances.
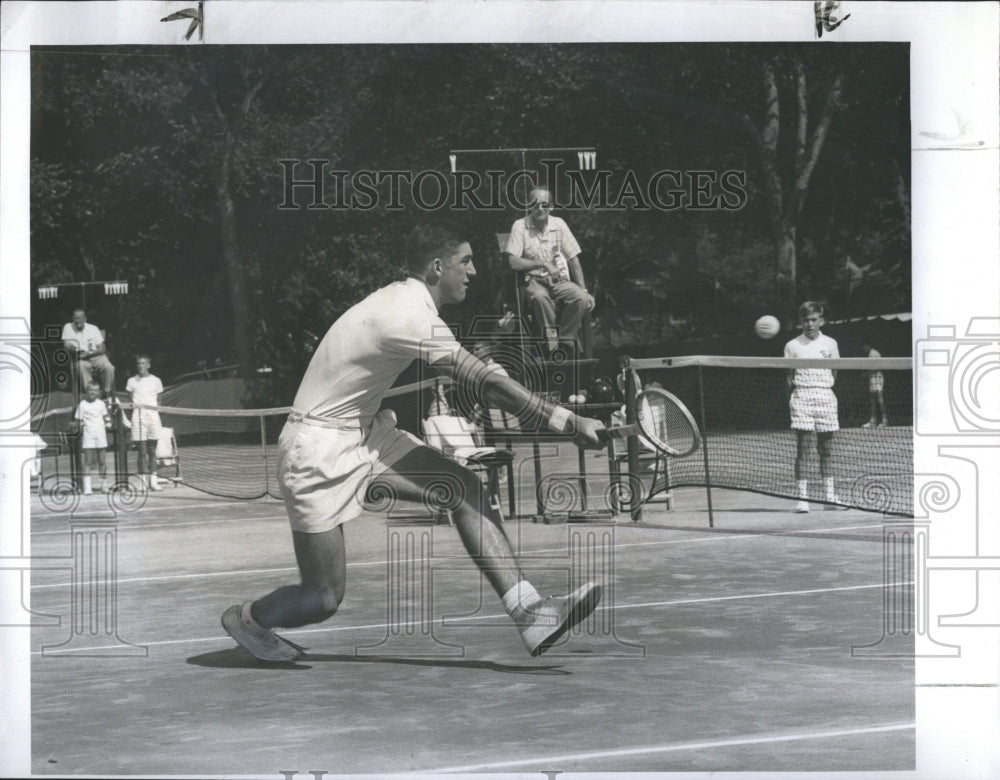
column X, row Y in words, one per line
column 876, row 381
column 324, row 472
column 814, row 409
column 94, row 437
column 145, row 425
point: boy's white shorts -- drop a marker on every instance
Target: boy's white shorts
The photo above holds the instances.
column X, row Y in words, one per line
column 814, row 409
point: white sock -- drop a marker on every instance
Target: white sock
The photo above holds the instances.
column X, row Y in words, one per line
column 803, row 489
column 522, row 595
column 829, row 488
column 248, row 616
column 87, row 487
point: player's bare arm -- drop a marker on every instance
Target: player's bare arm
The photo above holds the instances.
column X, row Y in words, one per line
column 510, row 396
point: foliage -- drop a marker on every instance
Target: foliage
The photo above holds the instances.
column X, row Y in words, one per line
column 159, row 165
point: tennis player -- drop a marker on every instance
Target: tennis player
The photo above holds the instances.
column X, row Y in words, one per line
column 337, row 441
column 813, row 405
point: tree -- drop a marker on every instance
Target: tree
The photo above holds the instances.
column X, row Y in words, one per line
column 786, row 195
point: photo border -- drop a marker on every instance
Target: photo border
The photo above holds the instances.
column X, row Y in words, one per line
column 955, row 131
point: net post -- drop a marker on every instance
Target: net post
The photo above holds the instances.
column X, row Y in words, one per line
column 263, row 452
column 704, row 444
column 632, row 443
column 121, row 447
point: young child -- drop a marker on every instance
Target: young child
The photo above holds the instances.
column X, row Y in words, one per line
column 145, row 388
column 813, row 404
column 94, row 420
column 876, row 383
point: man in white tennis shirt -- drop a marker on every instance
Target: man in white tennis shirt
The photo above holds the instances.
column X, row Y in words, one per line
column 336, row 442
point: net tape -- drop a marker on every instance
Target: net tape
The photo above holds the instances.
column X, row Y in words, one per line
column 233, row 452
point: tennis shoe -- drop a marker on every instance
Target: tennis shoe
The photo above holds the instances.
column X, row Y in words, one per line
column 883, row 424
column 869, row 424
column 802, row 507
column 546, row 621
column 262, row 643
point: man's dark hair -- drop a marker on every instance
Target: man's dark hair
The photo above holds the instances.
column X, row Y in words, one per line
column 432, row 239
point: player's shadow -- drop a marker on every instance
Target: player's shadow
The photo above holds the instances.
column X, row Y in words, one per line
column 238, row 658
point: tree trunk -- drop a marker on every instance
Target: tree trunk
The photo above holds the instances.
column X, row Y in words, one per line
column 785, row 278
column 785, row 204
column 231, row 255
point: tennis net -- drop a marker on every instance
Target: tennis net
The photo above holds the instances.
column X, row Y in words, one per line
column 233, row 452
column 742, row 406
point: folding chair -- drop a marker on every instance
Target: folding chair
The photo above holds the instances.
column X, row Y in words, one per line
column 167, row 455
column 456, row 437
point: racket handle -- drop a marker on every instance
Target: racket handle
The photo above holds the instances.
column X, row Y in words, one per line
column 621, row 432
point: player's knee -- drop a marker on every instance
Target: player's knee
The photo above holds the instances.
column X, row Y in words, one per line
column 824, row 443
column 472, row 488
column 323, row 601
column 472, row 493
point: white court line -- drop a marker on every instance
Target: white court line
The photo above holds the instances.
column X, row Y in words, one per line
column 199, row 576
column 174, row 524
column 763, row 739
column 43, row 512
column 645, row 605
column 525, row 554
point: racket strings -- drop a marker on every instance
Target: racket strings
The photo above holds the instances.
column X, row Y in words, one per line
column 666, row 425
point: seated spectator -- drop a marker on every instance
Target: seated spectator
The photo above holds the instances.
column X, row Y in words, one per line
column 87, row 343
column 545, row 249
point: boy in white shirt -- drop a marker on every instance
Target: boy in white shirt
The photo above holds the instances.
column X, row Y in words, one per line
column 813, row 405
column 94, row 420
column 144, row 389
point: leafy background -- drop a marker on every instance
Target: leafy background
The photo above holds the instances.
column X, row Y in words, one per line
column 159, row 166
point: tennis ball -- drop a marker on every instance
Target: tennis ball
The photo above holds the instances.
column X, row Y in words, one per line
column 767, row 327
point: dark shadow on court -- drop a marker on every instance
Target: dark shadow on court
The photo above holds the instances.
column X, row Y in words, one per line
column 237, row 658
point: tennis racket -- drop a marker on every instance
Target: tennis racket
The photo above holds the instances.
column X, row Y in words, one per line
column 664, row 421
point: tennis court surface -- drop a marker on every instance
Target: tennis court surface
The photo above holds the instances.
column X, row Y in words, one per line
column 725, row 648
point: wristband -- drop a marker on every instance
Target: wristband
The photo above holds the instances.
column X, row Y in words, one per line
column 559, row 419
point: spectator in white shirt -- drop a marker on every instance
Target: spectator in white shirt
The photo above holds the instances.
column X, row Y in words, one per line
column 86, row 342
